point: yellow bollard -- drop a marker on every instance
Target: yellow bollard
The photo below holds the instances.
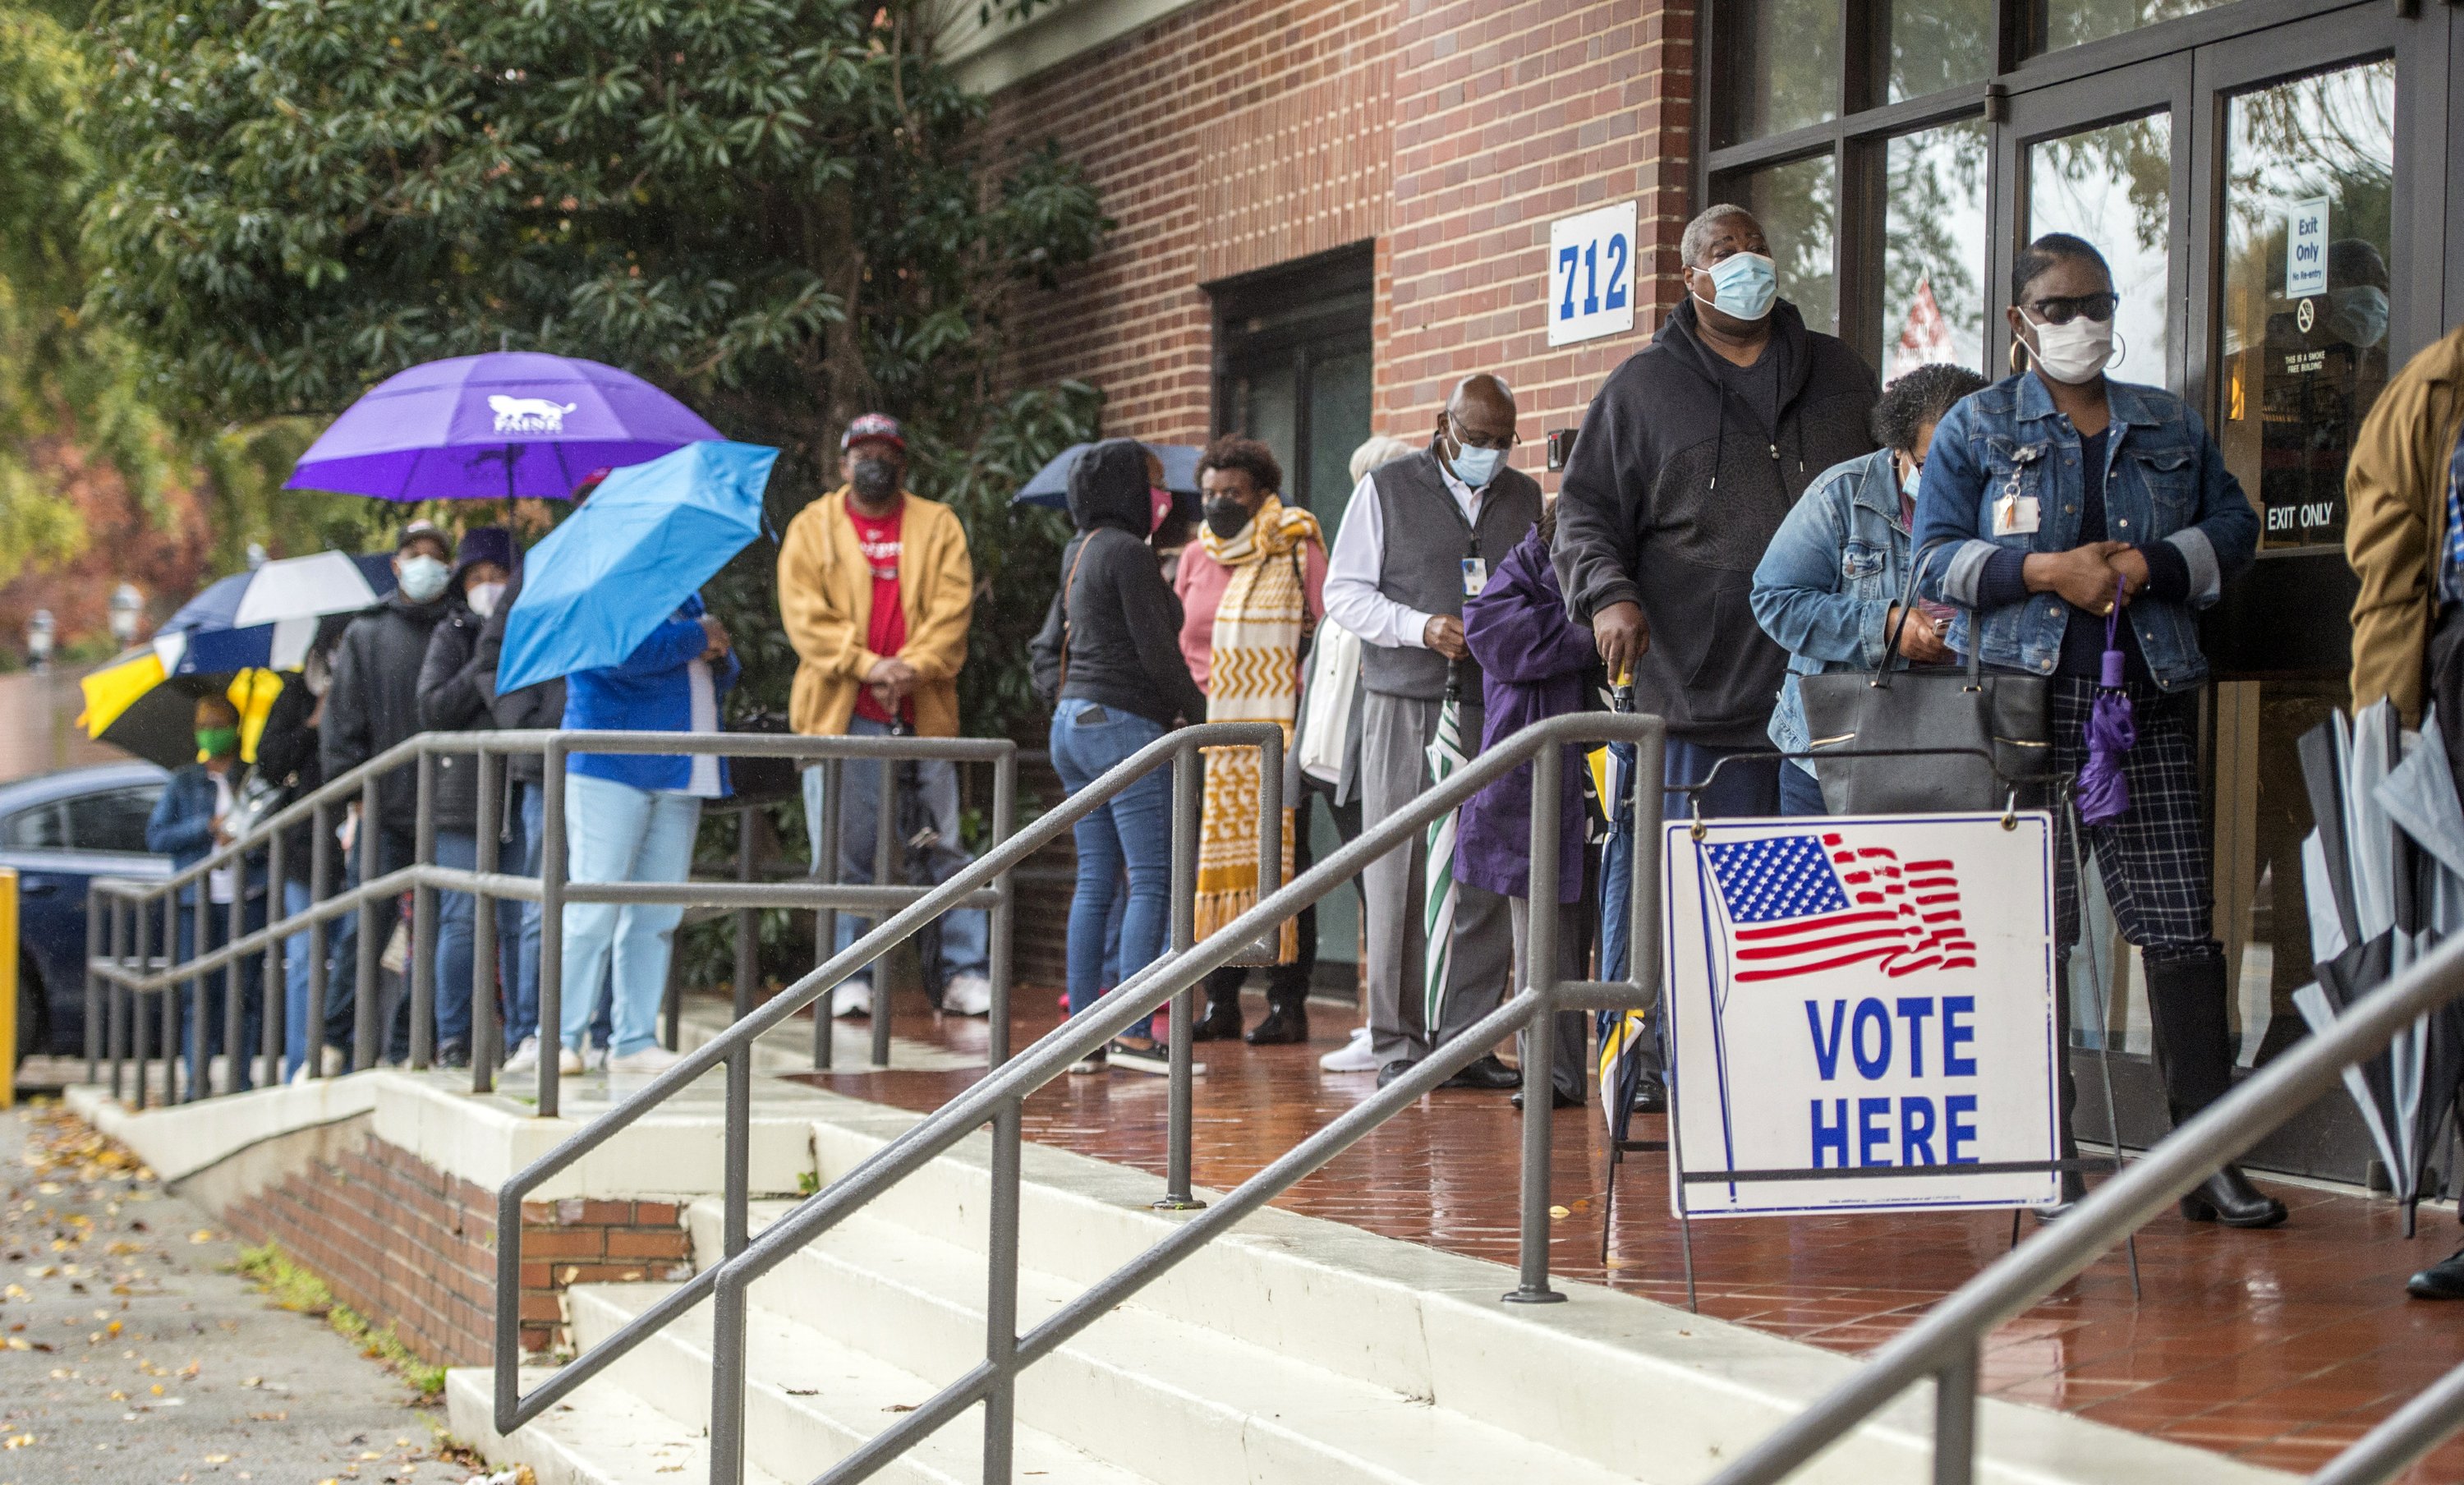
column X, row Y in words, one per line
column 8, row 987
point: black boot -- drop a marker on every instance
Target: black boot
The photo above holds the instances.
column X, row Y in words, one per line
column 2073, row 1184
column 1222, row 1020
column 1286, row 1021
column 2186, row 1003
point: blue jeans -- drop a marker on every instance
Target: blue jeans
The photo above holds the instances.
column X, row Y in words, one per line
column 341, row 958
column 1131, row 831
column 616, row 832
column 1799, row 791
column 966, row 933
column 455, row 935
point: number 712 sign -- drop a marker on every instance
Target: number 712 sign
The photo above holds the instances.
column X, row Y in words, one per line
column 1590, row 274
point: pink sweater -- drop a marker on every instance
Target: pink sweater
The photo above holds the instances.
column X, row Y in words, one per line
column 1201, row 586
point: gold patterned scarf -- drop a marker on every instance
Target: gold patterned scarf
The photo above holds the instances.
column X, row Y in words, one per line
column 1252, row 676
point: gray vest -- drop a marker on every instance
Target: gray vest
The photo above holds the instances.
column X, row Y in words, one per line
column 1426, row 542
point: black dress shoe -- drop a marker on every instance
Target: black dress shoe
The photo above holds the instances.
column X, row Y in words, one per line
column 1558, row 1099
column 1651, row 1098
column 1221, row 1021
column 2441, row 1280
column 2228, row 1197
column 1486, row 1073
column 1281, row 1027
column 1392, row 1071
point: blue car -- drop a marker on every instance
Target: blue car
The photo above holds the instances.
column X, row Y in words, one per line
column 61, row 831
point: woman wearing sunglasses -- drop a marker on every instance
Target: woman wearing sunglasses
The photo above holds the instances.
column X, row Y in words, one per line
column 2049, row 500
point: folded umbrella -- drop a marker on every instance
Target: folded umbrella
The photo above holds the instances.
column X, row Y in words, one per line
column 651, row 535
column 496, row 427
column 2112, row 731
column 1445, row 754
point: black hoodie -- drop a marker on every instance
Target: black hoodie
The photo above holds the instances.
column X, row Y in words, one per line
column 1123, row 623
column 1674, row 488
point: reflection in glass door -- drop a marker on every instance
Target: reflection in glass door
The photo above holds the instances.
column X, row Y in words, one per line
column 2113, row 185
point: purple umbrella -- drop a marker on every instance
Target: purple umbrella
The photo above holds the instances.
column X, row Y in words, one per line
column 496, row 427
column 2112, row 730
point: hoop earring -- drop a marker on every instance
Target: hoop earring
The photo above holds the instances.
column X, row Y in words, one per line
column 2017, row 365
column 2121, row 354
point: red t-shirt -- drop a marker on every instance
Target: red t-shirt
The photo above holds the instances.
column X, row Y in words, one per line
column 878, row 537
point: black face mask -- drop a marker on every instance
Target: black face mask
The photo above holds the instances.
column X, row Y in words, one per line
column 1225, row 517
column 875, row 479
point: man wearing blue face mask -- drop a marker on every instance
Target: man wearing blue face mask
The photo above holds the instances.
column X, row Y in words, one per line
column 373, row 704
column 1691, row 454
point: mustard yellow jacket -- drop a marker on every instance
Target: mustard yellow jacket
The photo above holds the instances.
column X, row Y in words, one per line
column 825, row 602
column 2396, row 498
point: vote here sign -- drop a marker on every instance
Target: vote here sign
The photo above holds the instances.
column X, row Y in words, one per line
column 1869, row 996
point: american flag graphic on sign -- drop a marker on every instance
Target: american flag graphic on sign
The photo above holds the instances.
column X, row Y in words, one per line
column 1800, row 904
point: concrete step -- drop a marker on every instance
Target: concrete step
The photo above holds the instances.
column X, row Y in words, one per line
column 811, row 1399
column 1161, row 1396
column 602, row 1435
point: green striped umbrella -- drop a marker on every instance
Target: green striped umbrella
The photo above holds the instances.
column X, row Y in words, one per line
column 1445, row 756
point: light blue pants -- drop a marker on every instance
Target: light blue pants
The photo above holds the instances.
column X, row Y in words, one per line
column 616, row 832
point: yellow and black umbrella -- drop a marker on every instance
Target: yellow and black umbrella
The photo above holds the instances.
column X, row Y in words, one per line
column 134, row 705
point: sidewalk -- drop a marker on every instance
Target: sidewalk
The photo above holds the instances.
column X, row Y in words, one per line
column 2278, row 1347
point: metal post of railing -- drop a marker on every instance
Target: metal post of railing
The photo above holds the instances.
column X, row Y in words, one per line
column 487, row 830
column 94, row 916
column 997, row 959
column 144, row 919
column 884, row 859
column 748, row 921
column 727, row 1307
column 551, row 969
column 321, row 883
column 273, row 976
column 365, row 1027
column 1001, row 1296
column 421, row 976
column 1539, row 1037
column 235, row 1071
column 171, row 962
column 1188, row 787
column 736, row 1224
column 1954, row 1419
column 2400, row 1438
column 118, row 1030
column 825, row 922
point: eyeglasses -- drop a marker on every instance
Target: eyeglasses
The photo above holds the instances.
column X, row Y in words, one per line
column 2063, row 310
column 1471, row 440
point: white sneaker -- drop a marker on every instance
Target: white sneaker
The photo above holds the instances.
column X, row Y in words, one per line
column 594, row 1057
column 853, row 998
column 969, row 994
column 1352, row 1057
column 568, row 1061
column 653, row 1058
column 525, row 1056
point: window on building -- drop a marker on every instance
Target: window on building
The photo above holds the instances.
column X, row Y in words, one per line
column 1292, row 371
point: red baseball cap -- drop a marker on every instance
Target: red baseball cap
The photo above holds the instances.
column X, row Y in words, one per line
column 873, row 425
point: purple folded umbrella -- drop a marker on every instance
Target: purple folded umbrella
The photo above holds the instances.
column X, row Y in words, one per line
column 496, row 427
column 2112, row 731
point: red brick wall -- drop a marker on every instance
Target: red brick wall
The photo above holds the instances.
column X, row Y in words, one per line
column 407, row 1244
column 1243, row 133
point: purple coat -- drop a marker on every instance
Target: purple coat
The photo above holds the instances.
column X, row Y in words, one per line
column 1535, row 662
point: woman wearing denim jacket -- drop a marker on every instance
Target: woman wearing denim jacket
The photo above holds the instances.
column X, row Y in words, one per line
column 2049, row 497
column 1826, row 589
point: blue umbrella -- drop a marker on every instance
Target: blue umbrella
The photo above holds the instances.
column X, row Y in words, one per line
column 1050, row 486
column 204, row 637
column 613, row 572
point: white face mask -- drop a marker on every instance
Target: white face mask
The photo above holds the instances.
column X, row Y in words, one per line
column 2076, row 353
column 422, row 578
column 483, row 597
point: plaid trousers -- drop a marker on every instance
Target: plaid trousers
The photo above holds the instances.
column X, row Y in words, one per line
column 2155, row 858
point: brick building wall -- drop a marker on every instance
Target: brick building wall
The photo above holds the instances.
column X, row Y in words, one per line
column 1238, row 135
column 407, row 1244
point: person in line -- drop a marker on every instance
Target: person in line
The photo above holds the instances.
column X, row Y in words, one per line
column 189, row 822
column 1341, row 789
column 455, row 697
column 1691, row 454
column 1828, row 589
column 1535, row 663
column 632, row 817
column 877, row 591
column 374, row 705
column 2403, row 538
column 1107, row 661
column 1421, row 536
column 1251, row 587
column 286, row 756
column 2048, row 498
column 538, row 708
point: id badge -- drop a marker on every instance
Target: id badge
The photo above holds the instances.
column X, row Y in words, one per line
column 1476, row 575
column 2014, row 515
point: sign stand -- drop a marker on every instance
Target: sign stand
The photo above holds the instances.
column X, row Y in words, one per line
column 1672, row 1145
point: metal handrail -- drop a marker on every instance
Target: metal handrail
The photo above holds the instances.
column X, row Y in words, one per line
column 1181, row 749
column 1945, row 1345
column 999, row 1098
column 119, row 909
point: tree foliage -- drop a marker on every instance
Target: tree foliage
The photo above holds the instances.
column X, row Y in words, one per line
column 782, row 209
